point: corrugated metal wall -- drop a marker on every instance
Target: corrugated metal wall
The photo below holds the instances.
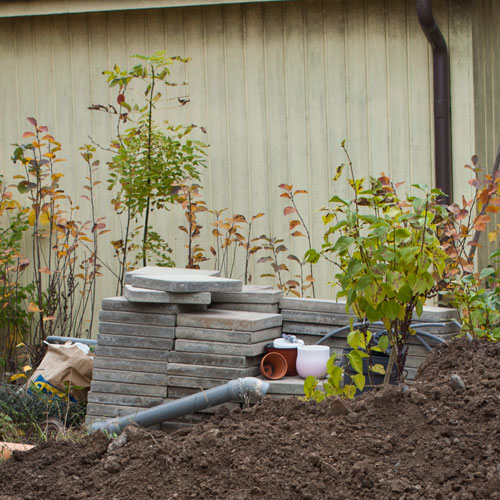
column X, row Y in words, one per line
column 278, row 86
column 487, row 93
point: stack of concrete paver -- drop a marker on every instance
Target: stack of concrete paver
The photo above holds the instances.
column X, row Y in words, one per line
column 311, row 319
column 215, row 346
column 253, row 298
column 137, row 333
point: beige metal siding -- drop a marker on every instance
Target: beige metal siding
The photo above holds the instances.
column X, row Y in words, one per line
column 278, row 85
column 487, row 94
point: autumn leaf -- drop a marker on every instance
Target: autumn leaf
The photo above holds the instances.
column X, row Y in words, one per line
column 289, row 210
column 32, row 217
column 300, row 191
column 294, row 223
column 297, row 233
column 286, row 187
column 28, row 134
column 492, row 236
column 33, row 308
column 338, row 172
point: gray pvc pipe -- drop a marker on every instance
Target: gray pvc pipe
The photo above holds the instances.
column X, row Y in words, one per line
column 240, row 389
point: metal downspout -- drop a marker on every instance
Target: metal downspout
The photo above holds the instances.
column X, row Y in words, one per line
column 441, row 78
column 240, row 389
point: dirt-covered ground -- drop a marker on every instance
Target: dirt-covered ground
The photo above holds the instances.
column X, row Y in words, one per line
column 435, row 440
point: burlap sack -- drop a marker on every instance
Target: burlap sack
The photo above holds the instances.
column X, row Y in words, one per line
column 64, row 366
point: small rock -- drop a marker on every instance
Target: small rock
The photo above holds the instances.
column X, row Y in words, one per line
column 117, row 443
column 417, row 397
column 457, row 383
column 112, row 465
column 352, row 418
column 337, row 407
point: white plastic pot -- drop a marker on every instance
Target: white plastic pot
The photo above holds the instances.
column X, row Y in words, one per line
column 312, row 360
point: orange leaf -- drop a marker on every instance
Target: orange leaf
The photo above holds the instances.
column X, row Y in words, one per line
column 289, row 210
column 286, row 187
column 44, row 270
column 28, row 134
column 300, row 191
column 297, row 233
column 49, row 318
column 33, row 308
column 294, row 223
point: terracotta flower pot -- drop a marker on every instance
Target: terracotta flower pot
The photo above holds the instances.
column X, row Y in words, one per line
column 273, row 366
column 6, row 449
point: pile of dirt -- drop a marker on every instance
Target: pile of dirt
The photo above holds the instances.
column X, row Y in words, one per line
column 438, row 439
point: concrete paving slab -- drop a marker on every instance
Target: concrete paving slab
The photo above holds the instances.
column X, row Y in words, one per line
column 233, row 336
column 137, row 318
column 133, row 365
column 263, row 308
column 122, row 304
column 136, row 294
column 132, row 353
column 102, row 411
column 213, row 359
column 168, row 271
column 293, row 386
column 185, row 283
column 313, row 305
column 145, row 331
column 124, row 399
column 129, row 389
column 199, row 383
column 211, row 371
column 315, row 317
column 220, row 347
column 229, row 320
column 129, row 377
column 104, row 339
column 250, row 294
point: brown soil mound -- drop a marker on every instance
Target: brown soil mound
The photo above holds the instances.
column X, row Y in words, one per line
column 435, row 440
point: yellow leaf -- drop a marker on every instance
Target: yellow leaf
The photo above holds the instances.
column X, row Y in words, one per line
column 492, row 236
column 32, row 217
column 378, row 369
column 17, row 376
column 27, row 368
column 44, row 218
column 32, row 308
column 49, row 318
column 21, row 344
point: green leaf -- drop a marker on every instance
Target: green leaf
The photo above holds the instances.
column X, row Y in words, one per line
column 337, row 199
column 390, row 309
column 336, row 376
column 312, row 256
column 354, row 339
column 356, row 361
column 349, row 391
column 310, row 384
column 419, row 308
column 405, row 294
column 383, row 343
column 342, row 244
column 359, row 380
column 487, row 271
column 330, row 365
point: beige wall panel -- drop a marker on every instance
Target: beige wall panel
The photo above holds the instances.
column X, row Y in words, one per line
column 278, row 86
column 486, row 40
